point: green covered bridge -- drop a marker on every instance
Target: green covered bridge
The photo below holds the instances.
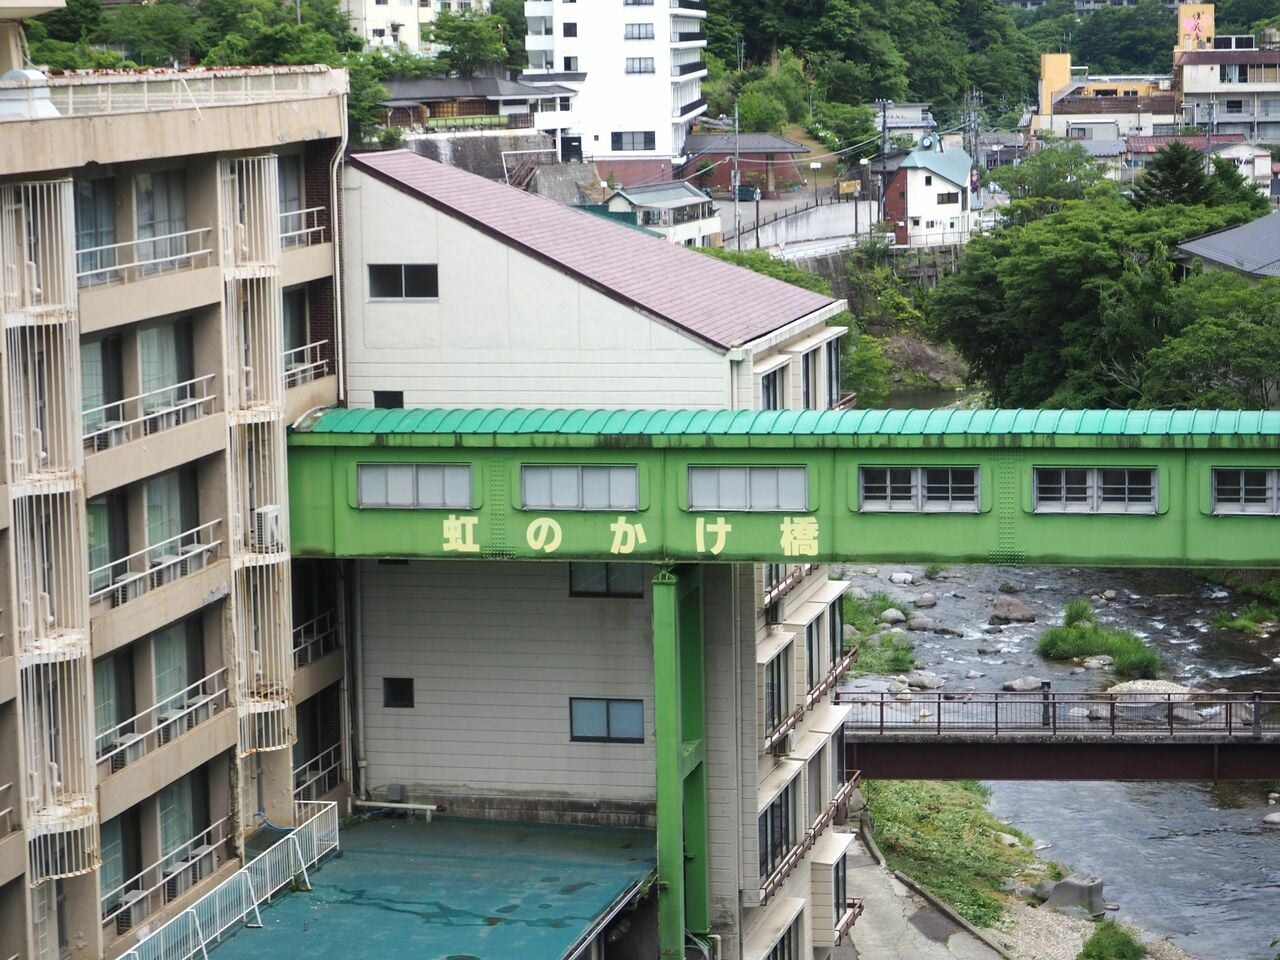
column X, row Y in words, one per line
column 1149, row 488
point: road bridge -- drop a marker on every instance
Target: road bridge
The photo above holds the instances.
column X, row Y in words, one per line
column 1043, row 735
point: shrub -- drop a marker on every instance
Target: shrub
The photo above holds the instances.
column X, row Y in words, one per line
column 1077, row 612
column 883, row 655
column 1131, row 656
column 1111, row 942
column 1247, row 620
column 933, row 571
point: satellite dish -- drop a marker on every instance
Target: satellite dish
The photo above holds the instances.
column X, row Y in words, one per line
column 926, row 142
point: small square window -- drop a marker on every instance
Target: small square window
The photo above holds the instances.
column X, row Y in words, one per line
column 421, row 281
column 928, row 180
column 606, row 721
column 397, row 692
column 388, row 399
column 570, row 29
column 606, row 580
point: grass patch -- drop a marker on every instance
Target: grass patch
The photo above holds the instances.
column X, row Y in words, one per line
column 865, row 614
column 1260, row 583
column 1111, row 942
column 884, row 655
column 1248, row 620
column 941, row 834
column 933, row 571
column 1081, row 636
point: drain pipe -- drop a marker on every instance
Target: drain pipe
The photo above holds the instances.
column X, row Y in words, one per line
column 357, row 643
column 427, row 808
column 334, row 217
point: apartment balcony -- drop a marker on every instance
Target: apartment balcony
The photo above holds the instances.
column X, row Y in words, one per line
column 835, row 807
column 109, row 117
column 306, row 244
column 689, row 109
column 13, row 847
column 142, row 734
column 309, row 380
column 683, row 70
column 852, row 911
column 319, row 775
column 36, row 232
column 125, row 282
column 147, row 414
column 683, row 37
column 154, row 567
column 167, row 880
column 540, row 41
column 692, row 6
column 314, row 639
column 538, row 8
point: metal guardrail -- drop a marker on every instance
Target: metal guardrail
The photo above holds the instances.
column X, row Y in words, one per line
column 314, row 639
column 161, row 724
column 318, row 775
column 168, row 407
column 301, row 228
column 934, row 713
column 304, row 364
column 133, row 260
column 6, row 812
column 832, row 677
column 164, row 562
column 852, row 911
column 236, row 900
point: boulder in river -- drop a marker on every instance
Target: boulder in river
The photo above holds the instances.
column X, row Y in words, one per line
column 924, row 680
column 849, row 631
column 921, row 623
column 1078, row 892
column 1098, row 662
column 973, row 675
column 901, row 578
column 893, row 615
column 1022, row 684
column 1011, row 610
column 1078, row 712
column 1108, row 595
column 925, row 600
column 857, row 593
column 1272, row 819
column 1010, row 587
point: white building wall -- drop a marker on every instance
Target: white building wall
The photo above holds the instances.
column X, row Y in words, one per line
column 930, row 223
column 507, row 329
column 495, row 651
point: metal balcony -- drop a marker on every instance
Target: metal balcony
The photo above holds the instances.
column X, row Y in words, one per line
column 123, row 421
column 135, row 260
column 154, row 566
column 314, row 639
column 161, row 724
column 318, row 775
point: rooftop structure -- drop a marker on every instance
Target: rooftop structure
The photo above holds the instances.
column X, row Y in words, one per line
column 677, row 210
column 1252, row 248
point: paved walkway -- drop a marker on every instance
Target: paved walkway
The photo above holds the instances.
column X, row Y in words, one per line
column 898, row 924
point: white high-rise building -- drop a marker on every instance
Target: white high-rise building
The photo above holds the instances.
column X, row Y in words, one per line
column 385, row 24
column 636, row 66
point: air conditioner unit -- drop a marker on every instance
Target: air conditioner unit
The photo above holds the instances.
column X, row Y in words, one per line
column 177, row 881
column 166, row 729
column 110, row 434
column 204, row 862
column 268, row 529
column 134, row 907
column 160, row 420
column 200, row 710
column 124, row 590
column 134, row 745
column 784, row 746
column 193, row 559
column 163, row 571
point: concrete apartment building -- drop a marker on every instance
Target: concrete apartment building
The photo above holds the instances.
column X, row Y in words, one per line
column 1227, row 84
column 170, row 302
column 399, row 23
column 637, row 71
column 472, row 674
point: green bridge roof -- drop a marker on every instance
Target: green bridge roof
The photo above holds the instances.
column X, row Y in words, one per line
column 1078, row 423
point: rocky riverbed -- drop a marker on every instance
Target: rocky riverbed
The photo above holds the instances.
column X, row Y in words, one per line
column 1191, row 862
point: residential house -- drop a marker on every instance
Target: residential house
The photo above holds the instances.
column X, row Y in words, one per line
column 912, row 120
column 928, row 198
column 764, row 160
column 1252, row 249
column 469, row 104
column 678, row 210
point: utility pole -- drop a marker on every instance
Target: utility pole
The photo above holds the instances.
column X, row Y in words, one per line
column 737, row 182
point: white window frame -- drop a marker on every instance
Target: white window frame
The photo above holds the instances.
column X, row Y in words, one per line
column 637, row 31
column 1093, row 489
column 411, row 496
column 612, row 503
column 403, row 298
column 1239, row 507
column 755, row 478
column 917, row 498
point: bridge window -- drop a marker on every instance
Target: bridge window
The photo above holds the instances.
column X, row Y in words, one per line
column 409, row 486
column 1246, row 491
column 918, row 489
column 580, row 488
column 606, row 580
column 595, row 720
column 1095, row 490
column 777, row 685
column 777, row 830
column 749, row 488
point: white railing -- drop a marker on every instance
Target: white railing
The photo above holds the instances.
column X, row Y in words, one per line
column 304, row 364
column 134, row 260
column 6, row 812
column 301, row 228
column 318, row 775
column 110, row 425
column 163, row 723
column 236, row 899
column 92, row 93
column 160, row 563
column 164, row 881
column 314, row 639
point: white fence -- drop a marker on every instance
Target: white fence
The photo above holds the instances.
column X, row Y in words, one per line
column 235, row 901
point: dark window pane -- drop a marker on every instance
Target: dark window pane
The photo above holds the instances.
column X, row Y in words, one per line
column 420, row 280
column 386, row 280
column 397, row 691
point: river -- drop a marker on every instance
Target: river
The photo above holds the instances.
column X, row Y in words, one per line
column 1188, row 861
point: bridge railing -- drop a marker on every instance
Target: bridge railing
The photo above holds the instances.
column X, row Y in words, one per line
column 1250, row 714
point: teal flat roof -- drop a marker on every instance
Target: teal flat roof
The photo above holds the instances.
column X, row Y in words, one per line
column 460, row 889
column 1075, row 423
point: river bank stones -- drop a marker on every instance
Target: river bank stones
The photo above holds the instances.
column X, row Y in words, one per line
column 1006, row 609
column 1021, row 684
column 924, row 680
column 1272, row 819
column 892, row 615
column 1077, row 892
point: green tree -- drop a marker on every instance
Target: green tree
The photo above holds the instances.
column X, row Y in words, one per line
column 1228, row 186
column 1174, row 175
column 759, row 111
column 1059, row 171
column 474, row 41
column 1126, row 39
column 79, row 20
column 156, row 34
column 514, row 28
column 847, row 125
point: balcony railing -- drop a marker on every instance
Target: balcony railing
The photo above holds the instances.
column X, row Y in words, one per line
column 318, row 775
column 687, row 108
column 301, row 228
column 688, row 4
column 689, row 36
column 683, row 69
column 304, row 364
column 777, row 737
column 133, row 739
column 832, row 678
column 110, row 424
column 128, row 904
column 6, row 812
column 135, row 260
column 852, row 911
column 179, row 556
column 314, row 639
column 838, row 801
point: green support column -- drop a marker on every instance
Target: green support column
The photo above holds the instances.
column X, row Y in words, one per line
column 679, row 720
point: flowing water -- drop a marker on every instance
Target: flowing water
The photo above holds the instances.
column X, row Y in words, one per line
column 1189, row 861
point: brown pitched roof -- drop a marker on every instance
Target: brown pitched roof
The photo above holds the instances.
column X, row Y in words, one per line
column 713, row 301
column 1194, row 141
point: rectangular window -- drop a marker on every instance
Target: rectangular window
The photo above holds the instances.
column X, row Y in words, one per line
column 788, row 946
column 946, row 198
column 809, row 381
column 928, row 180
column 403, row 281
column 161, row 215
column 1094, row 490
column 777, row 833
column 633, row 140
column 1246, row 491
column 177, row 661
column 95, row 228
column 762, row 489
column 813, row 785
column 839, row 769
column 166, row 358
column 639, row 64
column 1233, row 106
column 580, row 488
column 606, row 580
column 637, row 31
column 776, row 693
column 570, row 29
column 813, row 653
column 637, row 3
column 833, row 348
column 112, row 695
column 773, row 389
column 397, row 693
column 388, row 399
column 920, row 489
column 596, row 720
column 410, row 486
column 183, row 814
column 172, row 505
column 839, row 888
column 570, row 64
column 835, row 630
